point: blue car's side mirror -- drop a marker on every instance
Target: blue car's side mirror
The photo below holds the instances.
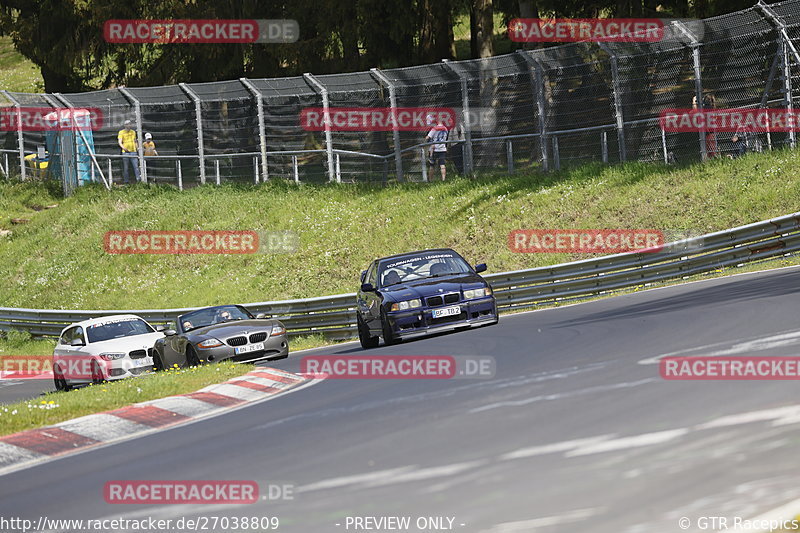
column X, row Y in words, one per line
column 367, row 287
column 480, row 267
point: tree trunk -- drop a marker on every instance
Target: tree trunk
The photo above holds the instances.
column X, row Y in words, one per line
column 436, row 31
column 528, row 9
column 482, row 14
column 55, row 82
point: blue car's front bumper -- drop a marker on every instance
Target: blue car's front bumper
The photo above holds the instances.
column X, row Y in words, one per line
column 418, row 322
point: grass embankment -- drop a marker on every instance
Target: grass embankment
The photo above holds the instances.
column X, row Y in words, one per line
column 17, row 73
column 56, row 260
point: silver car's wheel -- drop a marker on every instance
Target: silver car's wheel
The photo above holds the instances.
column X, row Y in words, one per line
column 191, row 357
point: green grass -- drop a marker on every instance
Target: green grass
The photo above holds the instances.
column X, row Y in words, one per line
column 56, row 260
column 18, row 74
column 60, row 406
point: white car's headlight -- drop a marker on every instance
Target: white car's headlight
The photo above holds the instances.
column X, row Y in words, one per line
column 277, row 329
column 209, row 343
column 111, row 356
column 406, row 304
column 469, row 294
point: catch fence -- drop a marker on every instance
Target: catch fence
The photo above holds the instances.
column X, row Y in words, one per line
column 544, row 108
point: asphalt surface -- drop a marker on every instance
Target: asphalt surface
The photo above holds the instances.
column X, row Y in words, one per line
column 576, row 430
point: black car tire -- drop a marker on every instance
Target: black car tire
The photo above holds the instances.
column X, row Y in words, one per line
column 97, row 374
column 191, row 357
column 388, row 334
column 364, row 337
column 158, row 362
column 59, row 380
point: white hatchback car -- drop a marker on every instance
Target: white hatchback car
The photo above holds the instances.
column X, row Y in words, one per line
column 105, row 348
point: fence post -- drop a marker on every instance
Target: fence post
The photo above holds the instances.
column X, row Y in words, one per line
column 698, row 81
column 604, row 145
column 784, row 44
column 262, row 130
column 424, row 160
column 20, row 140
column 467, row 151
column 664, row 145
column 180, row 176
column 536, row 72
column 510, row 157
column 201, row 153
column 323, row 92
column 617, row 89
column 556, row 154
column 95, row 163
column 137, row 109
column 398, row 156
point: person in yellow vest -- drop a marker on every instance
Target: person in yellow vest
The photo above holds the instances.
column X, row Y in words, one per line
column 127, row 143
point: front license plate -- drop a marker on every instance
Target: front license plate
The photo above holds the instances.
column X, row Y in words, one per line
column 144, row 361
column 446, row 311
column 249, row 348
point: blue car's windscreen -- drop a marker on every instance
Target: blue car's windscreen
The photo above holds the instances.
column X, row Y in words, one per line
column 116, row 329
column 207, row 317
column 421, row 266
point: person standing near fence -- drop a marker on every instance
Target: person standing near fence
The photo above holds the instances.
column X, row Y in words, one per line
column 149, row 149
column 127, row 143
column 708, row 103
column 438, row 135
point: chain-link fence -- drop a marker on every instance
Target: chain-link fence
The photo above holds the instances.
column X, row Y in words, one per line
column 543, row 108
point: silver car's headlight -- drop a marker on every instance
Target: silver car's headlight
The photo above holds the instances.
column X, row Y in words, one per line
column 277, row 329
column 469, row 294
column 209, row 343
column 111, row 356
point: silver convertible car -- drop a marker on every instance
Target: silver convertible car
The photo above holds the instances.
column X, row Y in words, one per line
column 222, row 333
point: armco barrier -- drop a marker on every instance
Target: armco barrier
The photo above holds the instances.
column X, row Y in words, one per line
column 334, row 316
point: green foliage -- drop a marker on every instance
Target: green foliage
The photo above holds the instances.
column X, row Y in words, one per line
column 16, row 338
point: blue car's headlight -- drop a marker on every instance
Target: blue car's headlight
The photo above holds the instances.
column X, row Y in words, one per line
column 406, row 304
column 469, row 294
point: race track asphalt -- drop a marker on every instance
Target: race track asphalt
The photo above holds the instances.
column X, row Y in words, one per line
column 576, row 431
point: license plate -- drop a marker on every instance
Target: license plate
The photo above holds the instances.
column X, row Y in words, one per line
column 144, row 361
column 446, row 311
column 249, row 348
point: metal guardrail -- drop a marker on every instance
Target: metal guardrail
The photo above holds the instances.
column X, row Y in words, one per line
column 334, row 316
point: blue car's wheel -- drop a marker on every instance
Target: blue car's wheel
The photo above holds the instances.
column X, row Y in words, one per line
column 366, row 340
column 388, row 334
